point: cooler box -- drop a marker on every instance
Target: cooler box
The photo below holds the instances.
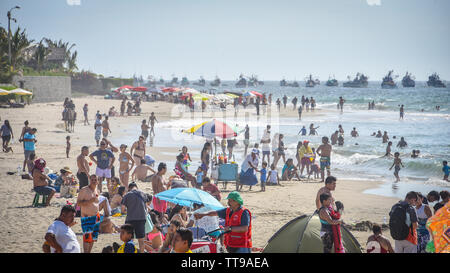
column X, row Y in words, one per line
column 203, row 246
column 228, row 172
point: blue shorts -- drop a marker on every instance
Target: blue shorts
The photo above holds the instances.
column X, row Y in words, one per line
column 44, row 190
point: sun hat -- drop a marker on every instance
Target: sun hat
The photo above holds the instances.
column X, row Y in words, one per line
column 65, row 169
column 234, row 195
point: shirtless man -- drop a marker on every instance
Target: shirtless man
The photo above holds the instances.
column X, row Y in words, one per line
column 324, row 151
column 388, row 149
column 341, row 104
column 402, row 143
column 159, row 185
column 140, row 172
column 83, row 167
column 385, row 137
column 105, row 127
column 334, row 138
column 377, row 239
column 90, row 217
column 152, row 120
column 330, row 185
column 354, row 133
column 40, row 181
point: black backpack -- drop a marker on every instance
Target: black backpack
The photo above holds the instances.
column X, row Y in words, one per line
column 397, row 222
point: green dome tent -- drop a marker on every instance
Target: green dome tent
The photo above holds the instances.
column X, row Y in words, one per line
column 302, row 235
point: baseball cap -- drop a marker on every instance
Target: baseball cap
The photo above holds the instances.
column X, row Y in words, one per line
column 234, row 195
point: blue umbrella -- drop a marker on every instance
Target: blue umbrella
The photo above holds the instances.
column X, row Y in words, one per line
column 188, row 196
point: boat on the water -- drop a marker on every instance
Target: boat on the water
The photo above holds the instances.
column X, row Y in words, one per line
column 184, row 81
column 161, row 80
column 294, row 84
column 242, row 81
column 216, row 82
column 283, row 83
column 359, row 81
column 200, row 82
column 332, row 81
column 435, row 81
column 310, row 82
column 253, row 81
column 388, row 81
column 408, row 80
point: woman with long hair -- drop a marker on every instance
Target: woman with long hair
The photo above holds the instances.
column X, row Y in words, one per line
column 7, row 133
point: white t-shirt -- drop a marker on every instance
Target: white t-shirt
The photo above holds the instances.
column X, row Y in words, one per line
column 266, row 146
column 208, row 223
column 275, row 140
column 245, row 164
column 101, row 198
column 65, row 237
column 273, row 176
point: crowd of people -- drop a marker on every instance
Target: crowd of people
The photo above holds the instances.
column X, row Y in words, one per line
column 161, row 226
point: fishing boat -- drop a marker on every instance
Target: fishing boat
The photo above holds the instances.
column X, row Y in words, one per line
column 216, row 82
column 184, row 81
column 201, row 82
column 294, row 84
column 435, row 81
column 242, row 81
column 359, row 81
column 283, row 83
column 310, row 82
column 388, row 81
column 408, row 80
column 332, row 82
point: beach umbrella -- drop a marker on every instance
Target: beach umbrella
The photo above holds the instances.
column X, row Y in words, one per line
column 248, row 94
column 256, row 94
column 302, row 235
column 20, row 91
column 190, row 90
column 125, row 87
column 232, row 95
column 200, row 96
column 212, row 129
column 190, row 196
column 139, row 89
column 4, row 92
column 171, row 89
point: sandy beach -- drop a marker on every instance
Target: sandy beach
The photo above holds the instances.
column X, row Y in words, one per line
column 24, row 227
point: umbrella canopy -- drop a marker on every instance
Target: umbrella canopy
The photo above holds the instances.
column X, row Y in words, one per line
column 139, row 89
column 4, row 92
column 223, row 97
column 232, row 95
column 248, row 94
column 125, row 87
column 302, row 235
column 256, row 94
column 200, row 97
column 190, row 196
column 171, row 89
column 190, row 90
column 20, row 91
column 211, row 129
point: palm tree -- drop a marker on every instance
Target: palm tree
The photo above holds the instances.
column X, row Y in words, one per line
column 19, row 42
column 72, row 62
column 40, row 55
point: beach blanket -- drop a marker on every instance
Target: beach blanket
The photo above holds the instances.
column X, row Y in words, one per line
column 337, row 238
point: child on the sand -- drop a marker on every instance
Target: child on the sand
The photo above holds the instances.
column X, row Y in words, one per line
column 273, row 177
column 397, row 163
column 263, row 176
column 126, row 236
column 446, row 170
column 67, row 146
column 199, row 176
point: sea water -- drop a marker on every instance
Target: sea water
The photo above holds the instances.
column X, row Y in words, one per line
column 359, row 158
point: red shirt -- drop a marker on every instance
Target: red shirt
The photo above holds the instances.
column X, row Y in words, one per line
column 213, row 190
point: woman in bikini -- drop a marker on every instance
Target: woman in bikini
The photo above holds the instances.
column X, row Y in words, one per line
column 139, row 150
column 144, row 128
column 182, row 172
column 124, row 169
column 178, row 213
column 154, row 238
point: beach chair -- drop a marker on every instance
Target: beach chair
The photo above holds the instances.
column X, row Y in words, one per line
column 228, row 173
column 36, row 200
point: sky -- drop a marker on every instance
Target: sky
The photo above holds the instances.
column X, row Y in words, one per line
column 272, row 39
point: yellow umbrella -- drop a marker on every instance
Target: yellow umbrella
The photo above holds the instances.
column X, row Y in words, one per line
column 200, row 97
column 4, row 92
column 20, row 91
column 232, row 95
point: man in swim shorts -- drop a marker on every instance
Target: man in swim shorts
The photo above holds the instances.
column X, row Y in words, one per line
column 324, row 151
column 90, row 217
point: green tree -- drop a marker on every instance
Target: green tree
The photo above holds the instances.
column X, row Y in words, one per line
column 19, row 42
column 72, row 62
column 40, row 55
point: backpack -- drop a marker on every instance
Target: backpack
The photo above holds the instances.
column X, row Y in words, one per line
column 397, row 222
